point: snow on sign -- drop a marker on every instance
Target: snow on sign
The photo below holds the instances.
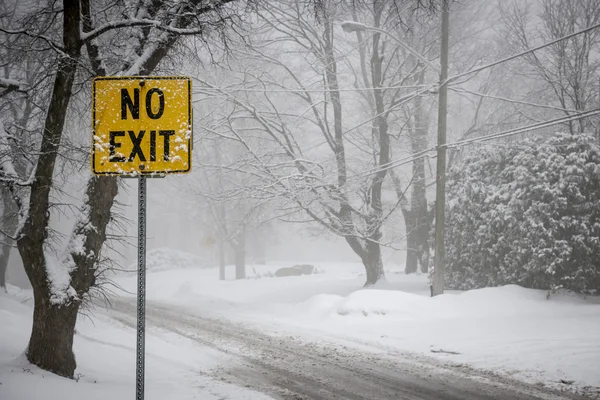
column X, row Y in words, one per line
column 141, row 125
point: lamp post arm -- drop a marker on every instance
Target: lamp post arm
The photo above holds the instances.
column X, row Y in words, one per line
column 407, row 47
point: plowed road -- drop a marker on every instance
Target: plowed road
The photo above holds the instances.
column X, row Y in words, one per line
column 289, row 367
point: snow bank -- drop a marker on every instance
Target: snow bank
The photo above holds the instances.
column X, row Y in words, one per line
column 105, row 351
column 507, row 329
column 382, row 302
column 505, row 301
column 164, row 259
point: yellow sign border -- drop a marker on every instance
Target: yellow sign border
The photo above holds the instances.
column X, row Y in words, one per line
column 190, row 141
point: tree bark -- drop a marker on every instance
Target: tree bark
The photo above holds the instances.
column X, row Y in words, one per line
column 50, row 344
column 420, row 231
column 370, row 255
column 410, row 266
column 417, row 223
column 240, row 256
column 374, row 264
column 90, row 230
column 416, row 219
column 9, row 214
column 4, row 258
column 417, row 240
column 221, row 251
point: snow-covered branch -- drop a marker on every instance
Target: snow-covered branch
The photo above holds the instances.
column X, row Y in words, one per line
column 206, row 6
column 55, row 46
column 129, row 23
column 8, row 173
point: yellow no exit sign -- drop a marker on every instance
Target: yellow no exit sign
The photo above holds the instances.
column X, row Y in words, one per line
column 141, row 125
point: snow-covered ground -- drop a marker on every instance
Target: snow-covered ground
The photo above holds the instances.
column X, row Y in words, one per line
column 509, row 329
column 105, row 352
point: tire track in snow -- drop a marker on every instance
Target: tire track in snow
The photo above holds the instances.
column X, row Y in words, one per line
column 290, row 368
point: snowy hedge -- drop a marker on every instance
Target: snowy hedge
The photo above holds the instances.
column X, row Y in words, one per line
column 526, row 213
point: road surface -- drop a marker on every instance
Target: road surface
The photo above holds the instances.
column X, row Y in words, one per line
column 288, row 367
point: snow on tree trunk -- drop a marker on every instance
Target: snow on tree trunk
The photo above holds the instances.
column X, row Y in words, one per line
column 59, row 287
column 373, row 263
column 50, row 344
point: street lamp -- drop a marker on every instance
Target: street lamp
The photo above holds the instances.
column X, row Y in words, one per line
column 437, row 286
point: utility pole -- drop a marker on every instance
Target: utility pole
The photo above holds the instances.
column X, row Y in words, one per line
column 440, row 192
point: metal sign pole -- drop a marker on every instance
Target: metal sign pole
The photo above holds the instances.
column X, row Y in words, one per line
column 141, row 293
column 131, row 104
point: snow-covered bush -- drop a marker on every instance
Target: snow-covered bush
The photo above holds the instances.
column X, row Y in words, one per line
column 526, row 213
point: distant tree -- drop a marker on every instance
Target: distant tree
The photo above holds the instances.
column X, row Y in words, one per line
column 400, row 113
column 24, row 93
column 292, row 49
column 566, row 74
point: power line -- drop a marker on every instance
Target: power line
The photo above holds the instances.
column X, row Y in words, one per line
column 425, row 153
column 224, row 90
column 524, row 129
column 509, row 100
column 450, row 79
column 395, row 163
column 527, row 128
column 478, row 69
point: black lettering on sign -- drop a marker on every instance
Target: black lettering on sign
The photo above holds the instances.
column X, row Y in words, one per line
column 167, row 135
column 136, row 150
column 126, row 102
column 161, row 103
column 114, row 145
column 152, row 145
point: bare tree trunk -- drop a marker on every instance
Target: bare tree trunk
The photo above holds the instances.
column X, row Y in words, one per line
column 374, row 264
column 221, row 251
column 50, row 344
column 412, row 259
column 370, row 254
column 240, row 256
column 4, row 257
column 417, row 221
column 53, row 326
column 9, row 216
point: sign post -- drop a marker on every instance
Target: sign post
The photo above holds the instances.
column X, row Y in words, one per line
column 140, row 352
column 141, row 127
